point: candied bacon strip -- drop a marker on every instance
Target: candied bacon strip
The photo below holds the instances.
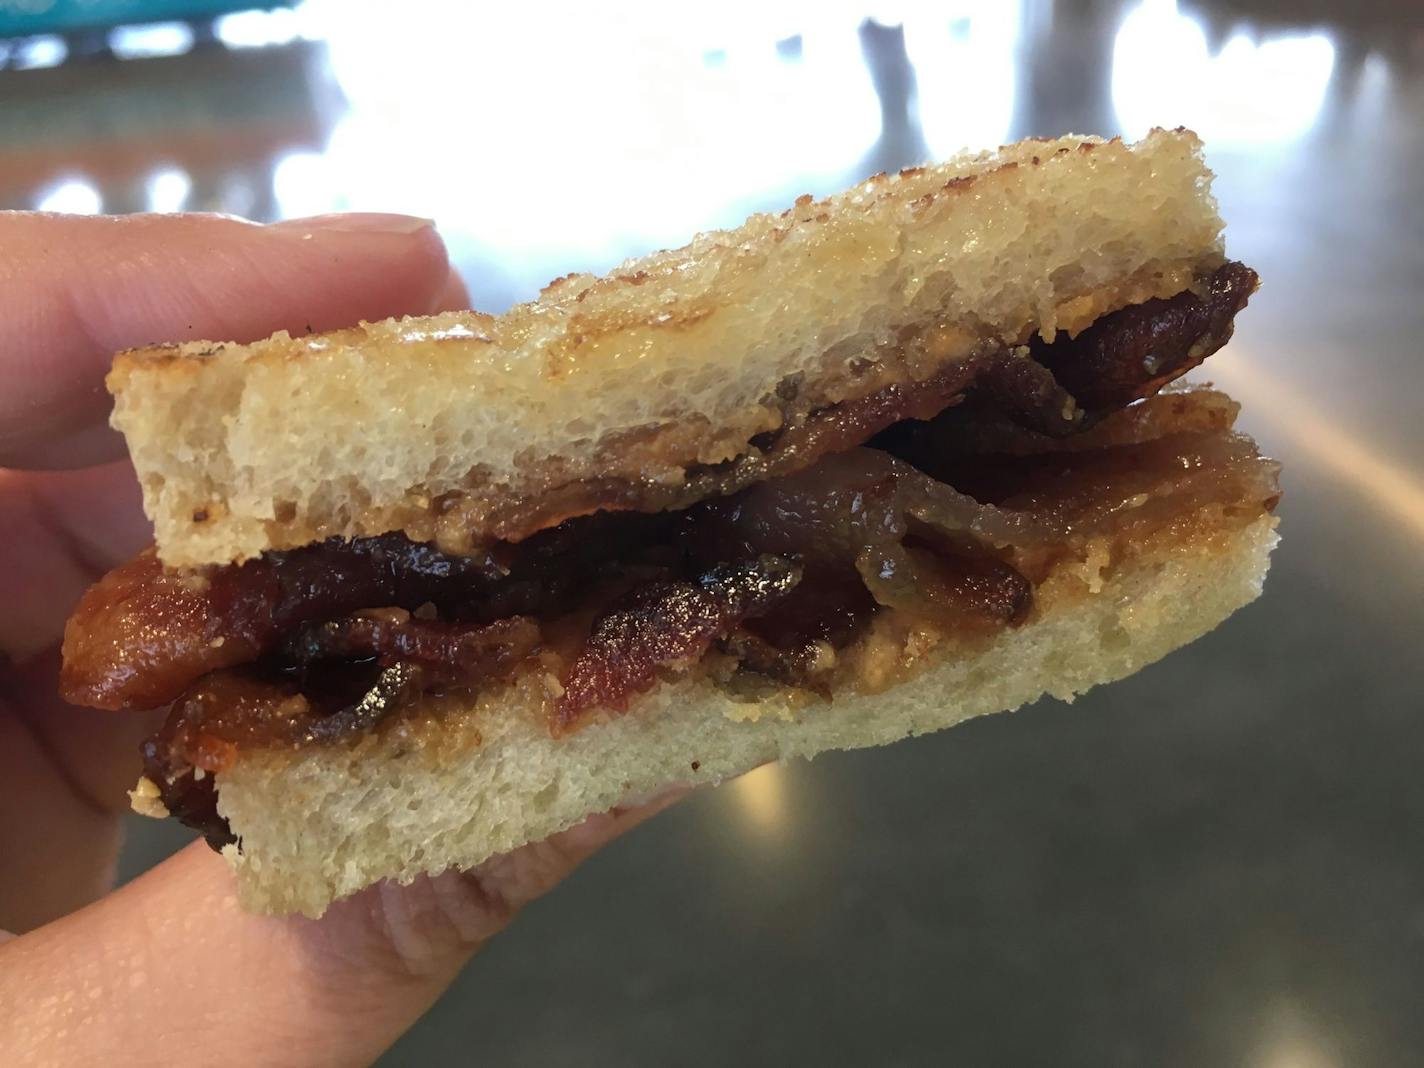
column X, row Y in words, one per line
column 795, row 446
column 947, row 447
column 665, row 625
column 834, row 429
column 830, row 605
column 913, row 543
column 1024, row 393
column 193, row 802
column 854, row 499
column 398, row 684
column 462, row 652
column 957, row 589
column 1068, row 385
column 337, row 678
column 1134, row 352
column 143, row 634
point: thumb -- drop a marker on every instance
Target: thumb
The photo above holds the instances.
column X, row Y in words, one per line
column 75, row 290
column 170, row 970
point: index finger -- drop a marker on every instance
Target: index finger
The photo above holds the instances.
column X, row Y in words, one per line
column 75, row 290
column 169, row 969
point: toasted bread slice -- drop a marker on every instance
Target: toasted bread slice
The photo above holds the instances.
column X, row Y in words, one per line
column 675, row 361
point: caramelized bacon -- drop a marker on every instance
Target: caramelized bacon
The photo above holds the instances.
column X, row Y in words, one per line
column 346, row 677
column 229, row 710
column 322, row 685
column 666, row 625
column 850, row 501
column 794, row 447
column 1134, row 352
column 864, row 518
column 1024, row 393
column 959, row 438
column 142, row 635
column 453, row 651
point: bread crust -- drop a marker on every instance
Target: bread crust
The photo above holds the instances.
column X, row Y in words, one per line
column 677, row 359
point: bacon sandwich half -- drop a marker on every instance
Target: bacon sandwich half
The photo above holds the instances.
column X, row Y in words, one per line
column 425, row 590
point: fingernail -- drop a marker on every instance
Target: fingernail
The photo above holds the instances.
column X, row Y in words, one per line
column 360, row 222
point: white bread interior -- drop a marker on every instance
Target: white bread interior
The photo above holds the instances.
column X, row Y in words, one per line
column 675, row 359
column 321, row 823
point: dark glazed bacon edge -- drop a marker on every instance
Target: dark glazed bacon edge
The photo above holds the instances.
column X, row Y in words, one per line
column 1133, row 353
column 663, row 626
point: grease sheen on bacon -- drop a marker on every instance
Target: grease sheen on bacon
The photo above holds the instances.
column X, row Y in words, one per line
column 666, row 625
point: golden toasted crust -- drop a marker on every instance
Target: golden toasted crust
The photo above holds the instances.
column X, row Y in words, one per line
column 680, row 358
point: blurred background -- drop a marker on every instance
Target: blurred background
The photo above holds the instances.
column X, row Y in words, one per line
column 1220, row 861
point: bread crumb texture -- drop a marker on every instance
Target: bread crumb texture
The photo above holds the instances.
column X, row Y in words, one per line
column 322, row 823
column 676, row 359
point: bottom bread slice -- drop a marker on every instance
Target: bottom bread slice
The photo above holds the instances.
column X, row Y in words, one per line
column 320, row 823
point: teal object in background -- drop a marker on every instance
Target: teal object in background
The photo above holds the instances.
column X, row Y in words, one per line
column 22, row 18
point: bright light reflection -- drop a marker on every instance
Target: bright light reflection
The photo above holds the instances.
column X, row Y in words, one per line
column 74, row 197
column 1292, row 1040
column 1372, row 92
column 46, row 51
column 613, row 137
column 761, row 795
column 237, row 195
column 155, row 39
column 1292, row 1054
column 258, row 29
column 303, row 184
column 168, row 190
column 963, row 56
column 1163, row 75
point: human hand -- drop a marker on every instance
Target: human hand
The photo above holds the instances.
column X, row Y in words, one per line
column 168, row 969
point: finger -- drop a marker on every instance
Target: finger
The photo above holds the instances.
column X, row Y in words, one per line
column 170, row 970
column 75, row 290
column 48, row 830
column 64, row 777
column 99, row 509
column 62, row 531
column 98, row 750
column 454, row 297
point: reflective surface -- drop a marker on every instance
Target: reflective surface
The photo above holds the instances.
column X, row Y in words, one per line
column 1219, row 861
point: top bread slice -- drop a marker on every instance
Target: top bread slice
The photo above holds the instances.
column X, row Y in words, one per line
column 672, row 361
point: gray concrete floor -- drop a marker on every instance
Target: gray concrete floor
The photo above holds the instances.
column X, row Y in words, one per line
column 1220, row 861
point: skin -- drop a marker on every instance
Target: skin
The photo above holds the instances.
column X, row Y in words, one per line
column 168, row 969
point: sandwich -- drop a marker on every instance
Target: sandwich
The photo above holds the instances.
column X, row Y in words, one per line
column 426, row 590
